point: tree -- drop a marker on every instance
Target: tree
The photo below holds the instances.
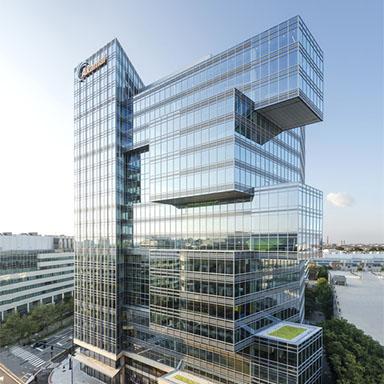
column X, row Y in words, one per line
column 322, row 282
column 323, row 272
column 17, row 324
column 14, row 328
column 310, row 301
column 324, row 297
column 7, row 333
column 44, row 315
column 312, row 271
column 18, row 327
column 65, row 308
column 319, row 298
column 353, row 356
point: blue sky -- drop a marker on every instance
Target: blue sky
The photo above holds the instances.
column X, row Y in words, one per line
column 42, row 41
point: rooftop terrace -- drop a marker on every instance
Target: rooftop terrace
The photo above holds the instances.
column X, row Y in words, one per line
column 287, row 332
column 291, row 333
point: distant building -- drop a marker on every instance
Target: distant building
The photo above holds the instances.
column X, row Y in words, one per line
column 351, row 261
column 339, row 280
column 34, row 269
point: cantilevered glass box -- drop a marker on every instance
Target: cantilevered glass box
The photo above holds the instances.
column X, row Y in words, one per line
column 193, row 120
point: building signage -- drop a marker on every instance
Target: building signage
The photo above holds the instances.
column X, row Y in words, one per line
column 86, row 69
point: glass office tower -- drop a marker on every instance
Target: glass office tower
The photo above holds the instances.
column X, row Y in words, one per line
column 193, row 220
column 104, row 86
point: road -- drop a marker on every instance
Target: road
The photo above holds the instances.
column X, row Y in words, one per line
column 25, row 361
column 62, row 375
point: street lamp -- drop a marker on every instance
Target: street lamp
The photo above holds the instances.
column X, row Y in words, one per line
column 70, row 367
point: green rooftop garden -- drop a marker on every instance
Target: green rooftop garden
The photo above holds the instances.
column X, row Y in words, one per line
column 185, row 379
column 287, row 332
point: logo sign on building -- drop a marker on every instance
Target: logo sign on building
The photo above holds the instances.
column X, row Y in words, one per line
column 86, row 69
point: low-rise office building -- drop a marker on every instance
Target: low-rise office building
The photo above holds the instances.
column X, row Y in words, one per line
column 351, row 261
column 339, row 280
column 34, row 270
column 289, row 353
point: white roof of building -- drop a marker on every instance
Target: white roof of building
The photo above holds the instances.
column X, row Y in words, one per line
column 25, row 242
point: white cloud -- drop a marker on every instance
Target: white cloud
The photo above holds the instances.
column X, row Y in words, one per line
column 340, row 199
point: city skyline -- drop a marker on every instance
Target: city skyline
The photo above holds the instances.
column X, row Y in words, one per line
column 343, row 162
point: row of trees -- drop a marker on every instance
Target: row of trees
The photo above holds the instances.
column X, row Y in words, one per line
column 354, row 357
column 356, row 248
column 17, row 327
column 319, row 298
column 315, row 272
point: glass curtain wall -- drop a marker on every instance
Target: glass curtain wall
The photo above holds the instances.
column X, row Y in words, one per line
column 103, row 131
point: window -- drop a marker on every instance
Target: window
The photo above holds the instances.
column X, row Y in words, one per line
column 264, row 48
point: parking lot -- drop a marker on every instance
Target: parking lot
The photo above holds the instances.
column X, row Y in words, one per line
column 25, row 361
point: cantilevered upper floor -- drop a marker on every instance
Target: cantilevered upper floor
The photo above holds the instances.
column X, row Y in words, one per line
column 228, row 124
column 256, row 94
column 280, row 67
